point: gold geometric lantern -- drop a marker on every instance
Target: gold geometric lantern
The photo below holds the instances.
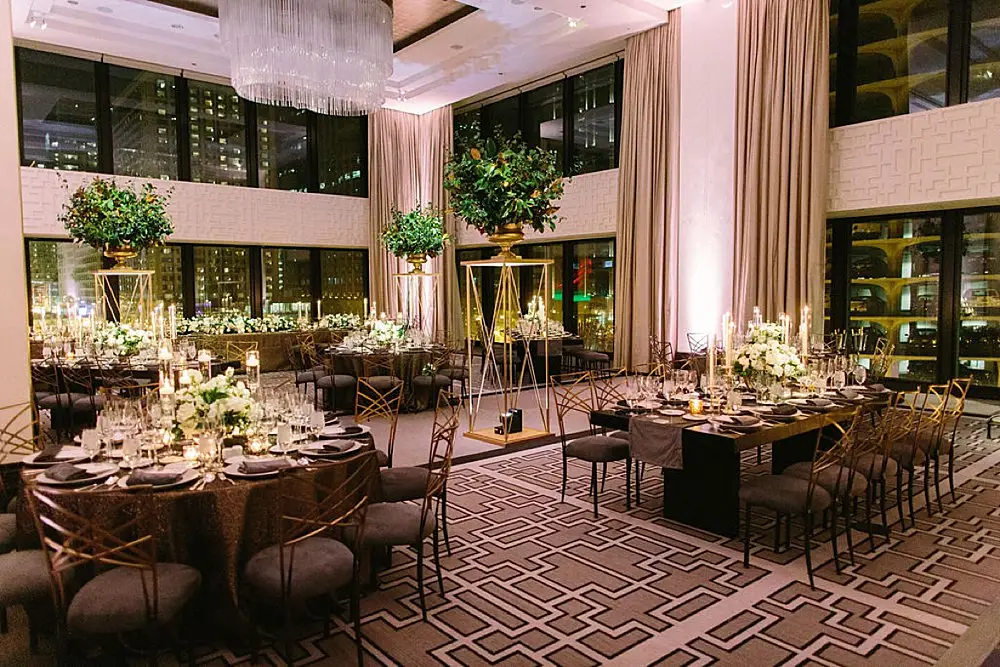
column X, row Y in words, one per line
column 125, row 292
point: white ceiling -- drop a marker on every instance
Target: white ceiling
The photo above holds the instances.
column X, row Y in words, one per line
column 506, row 43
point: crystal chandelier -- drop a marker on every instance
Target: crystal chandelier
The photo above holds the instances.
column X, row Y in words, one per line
column 329, row 56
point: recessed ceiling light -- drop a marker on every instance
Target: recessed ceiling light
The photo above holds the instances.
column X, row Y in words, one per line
column 572, row 23
column 176, row 26
column 457, row 47
column 105, row 10
column 72, row 2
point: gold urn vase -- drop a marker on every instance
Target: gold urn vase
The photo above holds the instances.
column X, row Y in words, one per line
column 120, row 254
column 508, row 235
column 417, row 261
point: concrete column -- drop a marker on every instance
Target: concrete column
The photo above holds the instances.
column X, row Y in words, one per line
column 14, row 356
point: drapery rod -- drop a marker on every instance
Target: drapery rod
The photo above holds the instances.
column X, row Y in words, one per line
column 529, row 85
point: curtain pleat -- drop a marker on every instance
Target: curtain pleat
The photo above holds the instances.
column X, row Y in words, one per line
column 781, row 156
column 648, row 179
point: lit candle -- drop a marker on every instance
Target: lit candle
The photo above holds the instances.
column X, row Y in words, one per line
column 185, row 378
column 711, row 362
column 191, row 453
column 756, row 316
column 253, row 370
column 695, row 406
column 319, row 309
column 165, row 354
column 173, row 321
column 205, row 363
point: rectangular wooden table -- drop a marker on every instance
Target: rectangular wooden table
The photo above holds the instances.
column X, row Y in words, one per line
column 705, row 492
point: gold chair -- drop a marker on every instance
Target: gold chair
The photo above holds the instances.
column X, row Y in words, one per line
column 377, row 400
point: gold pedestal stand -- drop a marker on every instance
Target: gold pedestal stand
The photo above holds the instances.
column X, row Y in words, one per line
column 124, row 295
column 495, row 335
column 412, row 288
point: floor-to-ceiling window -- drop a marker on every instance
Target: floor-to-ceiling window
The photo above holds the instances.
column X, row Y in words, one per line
column 217, row 134
column 221, row 279
column 979, row 335
column 143, row 123
column 344, row 281
column 167, row 280
column 594, row 137
column 282, row 148
column 287, row 281
column 60, row 278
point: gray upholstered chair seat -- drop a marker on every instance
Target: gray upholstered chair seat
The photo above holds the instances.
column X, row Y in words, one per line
column 64, row 401
column 455, row 373
column 338, row 381
column 906, row 455
column 8, row 531
column 381, row 458
column 783, row 493
column 113, row 602
column 407, row 483
column 591, row 355
column 870, row 465
column 621, row 435
column 88, row 403
column 383, row 383
column 306, row 377
column 24, row 577
column 598, row 448
column 438, row 380
column 832, row 478
column 317, row 566
column 929, row 443
column 389, row 524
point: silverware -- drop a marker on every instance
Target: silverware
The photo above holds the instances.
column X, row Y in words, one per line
column 223, row 477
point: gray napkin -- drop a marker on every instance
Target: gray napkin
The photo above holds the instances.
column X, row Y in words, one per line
column 783, row 410
column 876, row 387
column 248, row 467
column 66, row 472
column 849, row 394
column 740, row 420
column 49, row 454
column 819, row 402
column 333, row 446
column 353, row 430
column 153, row 477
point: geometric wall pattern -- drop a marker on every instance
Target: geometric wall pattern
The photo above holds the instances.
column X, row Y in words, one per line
column 943, row 158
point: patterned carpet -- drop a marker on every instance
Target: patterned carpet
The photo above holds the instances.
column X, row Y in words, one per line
column 534, row 581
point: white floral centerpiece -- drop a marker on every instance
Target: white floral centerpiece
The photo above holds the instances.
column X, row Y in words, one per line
column 340, row 321
column 764, row 359
column 122, row 340
column 221, row 401
column 378, row 334
column 235, row 323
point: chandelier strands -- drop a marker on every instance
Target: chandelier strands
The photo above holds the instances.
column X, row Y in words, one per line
column 329, row 56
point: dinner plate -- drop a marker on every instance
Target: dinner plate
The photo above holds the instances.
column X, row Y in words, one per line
column 320, row 454
column 695, row 418
column 338, row 436
column 766, row 413
column 289, row 449
column 803, row 404
column 233, row 470
column 66, row 455
column 188, row 477
column 98, row 472
column 722, row 422
column 672, row 412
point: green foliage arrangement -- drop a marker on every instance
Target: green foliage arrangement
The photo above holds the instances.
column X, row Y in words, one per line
column 498, row 181
column 104, row 215
column 418, row 231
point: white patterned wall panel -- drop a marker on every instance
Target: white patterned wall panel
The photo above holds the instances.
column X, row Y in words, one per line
column 217, row 213
column 932, row 159
column 589, row 207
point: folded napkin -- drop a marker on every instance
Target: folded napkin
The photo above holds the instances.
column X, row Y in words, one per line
column 66, row 472
column 876, row 387
column 333, row 447
column 49, row 454
column 849, row 394
column 818, row 402
column 353, row 430
column 783, row 410
column 740, row 420
column 248, row 467
column 153, row 477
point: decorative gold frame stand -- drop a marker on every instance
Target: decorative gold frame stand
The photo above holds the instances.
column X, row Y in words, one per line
column 413, row 299
column 499, row 364
column 132, row 299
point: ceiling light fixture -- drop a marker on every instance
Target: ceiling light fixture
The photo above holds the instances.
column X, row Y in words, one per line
column 329, row 56
column 572, row 22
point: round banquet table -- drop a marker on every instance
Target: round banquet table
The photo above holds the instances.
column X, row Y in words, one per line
column 408, row 363
column 215, row 529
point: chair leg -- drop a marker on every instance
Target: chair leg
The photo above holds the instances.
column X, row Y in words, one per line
column 807, row 541
column 788, row 532
column 777, row 532
column 628, row 482
column 419, row 546
column 869, row 492
column 564, row 479
column 356, row 611
column 758, row 454
column 746, row 539
column 604, row 477
column 638, row 481
column 3, row 620
column 833, row 535
column 937, row 481
column 899, row 498
column 909, row 493
column 927, row 486
column 885, row 517
column 444, row 517
column 437, row 562
column 951, row 471
column 850, row 507
column 593, row 485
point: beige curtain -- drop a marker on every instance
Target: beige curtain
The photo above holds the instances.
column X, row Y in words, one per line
column 781, row 159
column 393, row 181
column 406, row 159
column 435, row 148
column 645, row 274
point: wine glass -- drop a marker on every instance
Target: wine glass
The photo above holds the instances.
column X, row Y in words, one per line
column 90, row 441
column 860, row 374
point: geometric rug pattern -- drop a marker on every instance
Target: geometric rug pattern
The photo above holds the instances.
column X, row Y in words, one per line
column 532, row 581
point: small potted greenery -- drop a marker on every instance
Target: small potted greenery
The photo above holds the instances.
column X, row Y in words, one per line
column 499, row 185
column 416, row 235
column 116, row 220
